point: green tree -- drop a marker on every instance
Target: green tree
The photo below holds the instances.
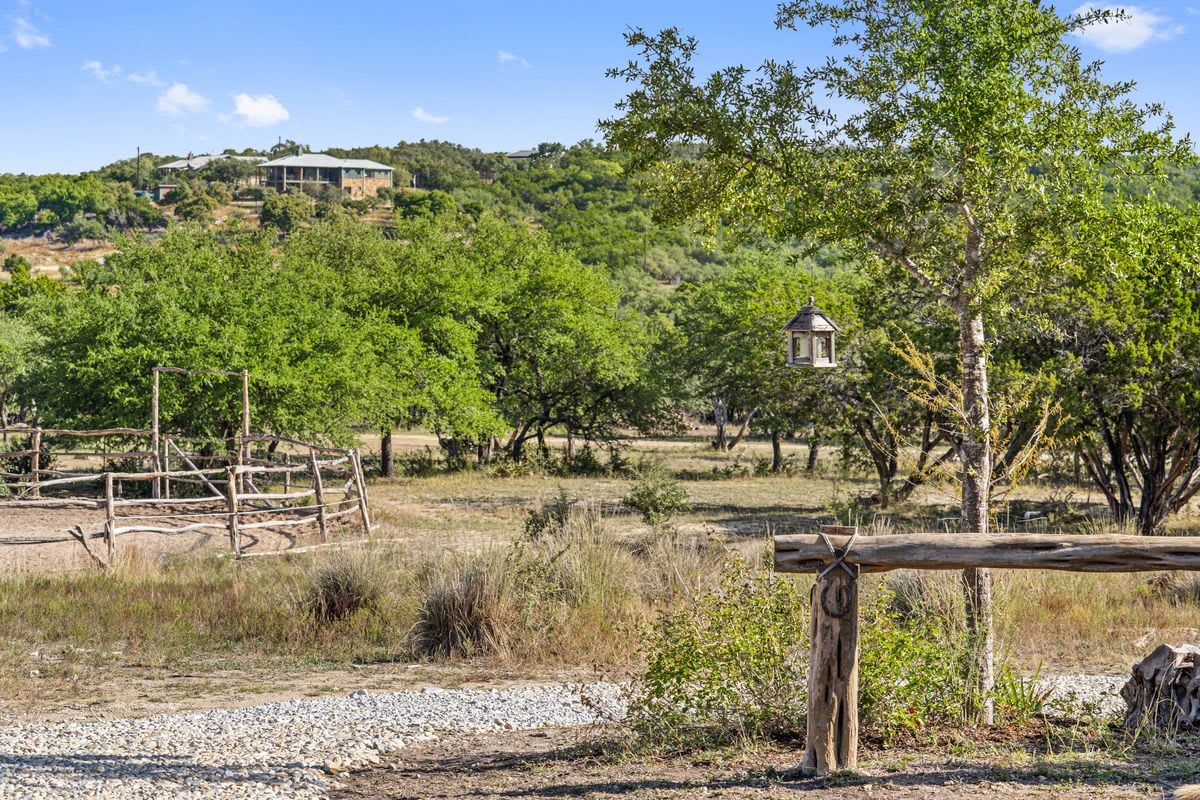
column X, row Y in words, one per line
column 1130, row 322
column 727, row 344
column 968, row 135
column 554, row 349
column 287, row 212
column 200, row 300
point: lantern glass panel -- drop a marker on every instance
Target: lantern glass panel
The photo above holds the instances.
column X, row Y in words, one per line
column 823, row 348
column 801, row 348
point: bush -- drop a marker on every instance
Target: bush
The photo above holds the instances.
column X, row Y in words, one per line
column 549, row 518
column 23, row 465
column 730, row 666
column 342, row 586
column 82, row 228
column 466, row 611
column 657, row 495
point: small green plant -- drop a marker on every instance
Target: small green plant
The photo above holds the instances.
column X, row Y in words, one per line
column 912, row 674
column 342, row 586
column 657, row 495
column 729, row 666
column 549, row 518
column 1019, row 700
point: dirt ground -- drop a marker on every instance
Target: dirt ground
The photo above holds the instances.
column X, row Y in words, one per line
column 564, row 763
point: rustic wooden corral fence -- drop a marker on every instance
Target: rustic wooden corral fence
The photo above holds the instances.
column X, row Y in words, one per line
column 292, row 485
column 838, row 556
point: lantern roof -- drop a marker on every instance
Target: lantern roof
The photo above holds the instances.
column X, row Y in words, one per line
column 810, row 318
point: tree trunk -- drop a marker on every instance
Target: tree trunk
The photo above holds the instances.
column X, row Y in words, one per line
column 720, row 419
column 387, row 457
column 570, row 445
column 742, row 430
column 976, row 456
column 814, row 452
column 776, row 451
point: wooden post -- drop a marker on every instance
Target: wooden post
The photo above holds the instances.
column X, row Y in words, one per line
column 235, row 538
column 360, row 482
column 287, row 476
column 155, row 486
column 35, row 461
column 832, row 741
column 319, row 490
column 244, row 444
column 110, row 517
column 166, row 467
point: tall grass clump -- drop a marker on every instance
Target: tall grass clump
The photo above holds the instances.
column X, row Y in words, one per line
column 466, row 609
column 344, row 584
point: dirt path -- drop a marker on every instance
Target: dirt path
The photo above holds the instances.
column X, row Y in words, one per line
column 560, row 763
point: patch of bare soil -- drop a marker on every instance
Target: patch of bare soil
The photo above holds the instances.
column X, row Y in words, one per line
column 563, row 763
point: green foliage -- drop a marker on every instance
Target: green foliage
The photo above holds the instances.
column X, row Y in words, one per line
column 728, row 666
column 657, row 495
column 201, row 301
column 287, row 212
column 911, row 671
column 82, row 228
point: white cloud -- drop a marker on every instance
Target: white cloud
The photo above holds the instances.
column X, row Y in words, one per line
column 421, row 115
column 1135, row 28
column 27, row 36
column 260, row 111
column 507, row 57
column 99, row 71
column 179, row 99
column 146, row 78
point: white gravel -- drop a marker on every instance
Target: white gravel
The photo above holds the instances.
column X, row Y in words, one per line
column 276, row 750
column 290, row 749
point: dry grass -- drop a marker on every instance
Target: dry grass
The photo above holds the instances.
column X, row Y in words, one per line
column 460, row 579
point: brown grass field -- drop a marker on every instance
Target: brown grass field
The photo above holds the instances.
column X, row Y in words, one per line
column 182, row 627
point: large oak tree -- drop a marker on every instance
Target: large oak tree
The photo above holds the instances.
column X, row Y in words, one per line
column 952, row 138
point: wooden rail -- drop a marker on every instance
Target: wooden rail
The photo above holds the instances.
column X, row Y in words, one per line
column 838, row 556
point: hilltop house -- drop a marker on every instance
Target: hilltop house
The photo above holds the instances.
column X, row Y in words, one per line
column 196, row 163
column 358, row 177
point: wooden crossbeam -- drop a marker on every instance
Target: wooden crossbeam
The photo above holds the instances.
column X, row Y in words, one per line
column 832, row 740
column 1105, row 553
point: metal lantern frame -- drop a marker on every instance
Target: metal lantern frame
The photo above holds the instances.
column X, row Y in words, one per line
column 811, row 338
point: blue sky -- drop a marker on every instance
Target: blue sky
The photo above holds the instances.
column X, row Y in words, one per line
column 84, row 83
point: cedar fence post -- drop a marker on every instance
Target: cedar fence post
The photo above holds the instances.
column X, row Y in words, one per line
column 356, row 463
column 155, row 486
column 35, row 461
column 832, row 740
column 243, row 442
column 235, row 538
column 110, row 518
column 319, row 490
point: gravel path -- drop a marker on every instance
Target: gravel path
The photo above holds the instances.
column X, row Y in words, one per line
column 277, row 750
column 290, row 749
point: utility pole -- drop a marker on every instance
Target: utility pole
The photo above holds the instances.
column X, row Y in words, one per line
column 138, row 182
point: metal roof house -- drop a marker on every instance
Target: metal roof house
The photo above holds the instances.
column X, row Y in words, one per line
column 196, row 163
column 357, row 177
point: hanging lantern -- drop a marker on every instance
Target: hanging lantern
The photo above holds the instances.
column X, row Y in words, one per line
column 810, row 337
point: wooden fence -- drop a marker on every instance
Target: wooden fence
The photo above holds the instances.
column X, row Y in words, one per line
column 293, row 485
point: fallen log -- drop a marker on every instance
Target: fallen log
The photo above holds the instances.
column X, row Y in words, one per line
column 1163, row 694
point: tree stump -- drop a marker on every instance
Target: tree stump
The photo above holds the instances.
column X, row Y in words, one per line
column 1164, row 691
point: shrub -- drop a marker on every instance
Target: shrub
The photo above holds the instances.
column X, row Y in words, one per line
column 729, row 666
column 658, row 496
column 466, row 610
column 82, row 228
column 549, row 518
column 342, row 586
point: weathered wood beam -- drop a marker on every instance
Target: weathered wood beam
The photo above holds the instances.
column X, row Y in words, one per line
column 1105, row 553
